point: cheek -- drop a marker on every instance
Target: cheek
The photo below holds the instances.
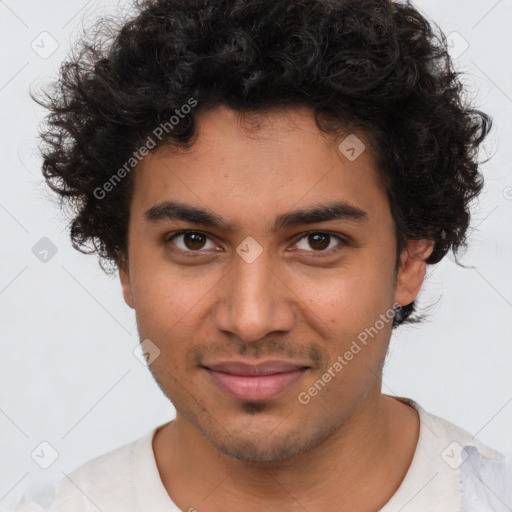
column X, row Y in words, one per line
column 356, row 340
column 348, row 298
column 168, row 298
column 354, row 305
column 169, row 311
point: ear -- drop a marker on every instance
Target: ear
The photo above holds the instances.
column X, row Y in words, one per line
column 124, row 276
column 412, row 270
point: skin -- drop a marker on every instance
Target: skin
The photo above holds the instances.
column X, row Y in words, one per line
column 220, row 453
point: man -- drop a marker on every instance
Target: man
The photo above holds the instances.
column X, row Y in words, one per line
column 271, row 180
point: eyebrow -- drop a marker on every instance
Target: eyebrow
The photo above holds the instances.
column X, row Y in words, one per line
column 172, row 210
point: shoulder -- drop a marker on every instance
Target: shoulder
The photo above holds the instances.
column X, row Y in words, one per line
column 437, row 431
column 484, row 476
column 97, row 484
column 486, row 482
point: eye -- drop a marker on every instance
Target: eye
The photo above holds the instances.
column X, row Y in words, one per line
column 190, row 241
column 321, row 241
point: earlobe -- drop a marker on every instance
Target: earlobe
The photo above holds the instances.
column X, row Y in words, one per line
column 412, row 270
column 124, row 276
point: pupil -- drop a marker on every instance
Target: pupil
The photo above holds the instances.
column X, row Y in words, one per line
column 316, row 239
column 194, row 240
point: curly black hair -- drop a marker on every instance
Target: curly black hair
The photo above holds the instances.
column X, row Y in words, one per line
column 376, row 66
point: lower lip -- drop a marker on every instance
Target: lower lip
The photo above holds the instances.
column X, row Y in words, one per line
column 255, row 388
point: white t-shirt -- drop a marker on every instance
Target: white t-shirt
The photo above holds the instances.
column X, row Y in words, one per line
column 450, row 472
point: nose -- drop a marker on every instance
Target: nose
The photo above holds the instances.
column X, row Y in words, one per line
column 255, row 301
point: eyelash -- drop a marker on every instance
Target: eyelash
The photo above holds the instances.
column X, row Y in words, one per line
column 315, row 254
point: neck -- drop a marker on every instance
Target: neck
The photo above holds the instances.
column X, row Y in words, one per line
column 372, row 450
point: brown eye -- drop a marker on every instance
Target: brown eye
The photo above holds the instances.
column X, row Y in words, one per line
column 190, row 241
column 320, row 241
column 194, row 241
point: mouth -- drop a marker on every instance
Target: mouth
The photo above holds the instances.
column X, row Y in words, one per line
column 255, row 382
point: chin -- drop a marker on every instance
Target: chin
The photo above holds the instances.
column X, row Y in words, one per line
column 246, row 450
column 255, row 443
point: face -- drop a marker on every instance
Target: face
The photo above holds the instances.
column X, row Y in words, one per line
column 251, row 281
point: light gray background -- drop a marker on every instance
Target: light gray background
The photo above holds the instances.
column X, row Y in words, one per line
column 69, row 376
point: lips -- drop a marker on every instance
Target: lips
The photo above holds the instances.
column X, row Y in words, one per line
column 254, row 382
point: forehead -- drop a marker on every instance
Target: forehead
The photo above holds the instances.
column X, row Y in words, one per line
column 258, row 165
